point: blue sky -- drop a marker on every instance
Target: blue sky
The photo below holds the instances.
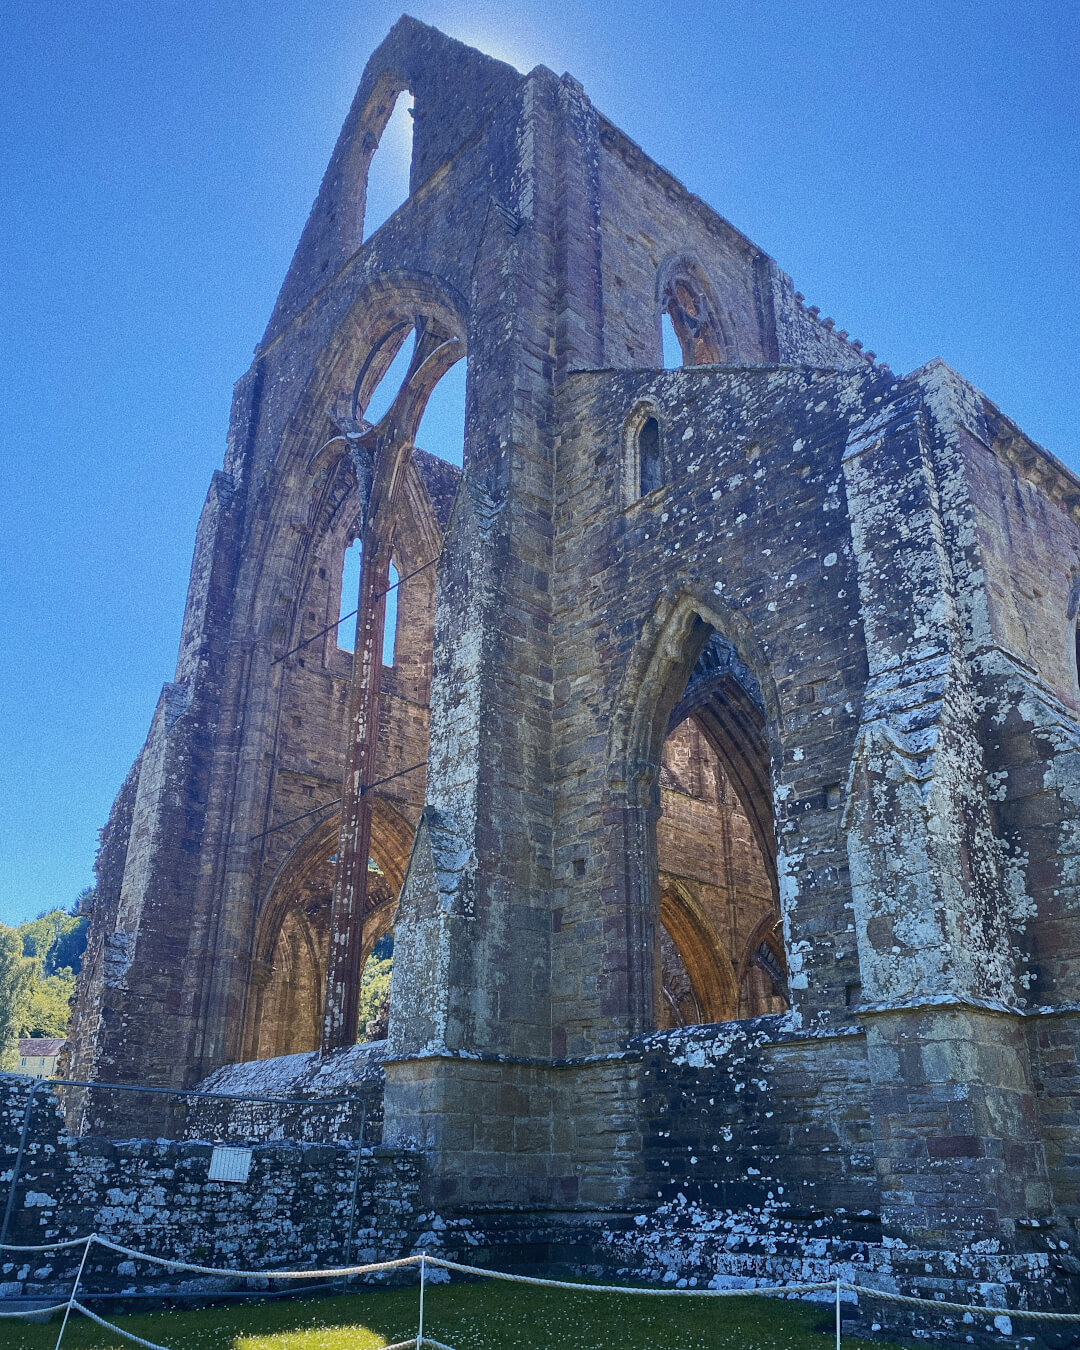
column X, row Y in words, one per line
column 914, row 167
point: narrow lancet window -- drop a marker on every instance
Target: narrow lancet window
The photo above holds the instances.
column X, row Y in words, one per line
column 1076, row 651
column 350, row 592
column 389, row 642
column 650, row 468
column 388, row 172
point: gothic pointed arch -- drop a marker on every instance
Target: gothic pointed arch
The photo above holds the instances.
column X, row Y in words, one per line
column 684, row 293
column 714, row 993
column 690, row 757
column 283, row 1011
column 658, row 677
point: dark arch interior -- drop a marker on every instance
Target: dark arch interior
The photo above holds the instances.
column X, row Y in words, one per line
column 719, row 950
column 650, row 466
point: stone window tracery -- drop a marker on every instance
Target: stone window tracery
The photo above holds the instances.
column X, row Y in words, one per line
column 686, row 302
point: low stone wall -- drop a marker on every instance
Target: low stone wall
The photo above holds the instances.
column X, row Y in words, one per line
column 301, row 1204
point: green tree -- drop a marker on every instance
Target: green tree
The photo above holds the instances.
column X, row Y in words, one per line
column 16, row 984
column 38, row 964
column 56, row 938
column 374, row 987
column 48, row 1008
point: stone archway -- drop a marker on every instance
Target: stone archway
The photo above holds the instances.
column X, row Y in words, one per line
column 288, row 969
column 701, row 877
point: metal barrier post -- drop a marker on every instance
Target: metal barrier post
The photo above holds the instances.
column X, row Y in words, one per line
column 351, row 1240
column 838, row 1312
column 9, row 1208
column 74, row 1289
column 420, row 1326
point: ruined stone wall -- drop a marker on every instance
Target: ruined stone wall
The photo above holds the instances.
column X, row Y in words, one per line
column 648, row 221
column 1027, row 535
column 279, row 545
column 1054, row 1047
column 296, row 1208
column 750, row 527
column 648, row 218
column 889, row 569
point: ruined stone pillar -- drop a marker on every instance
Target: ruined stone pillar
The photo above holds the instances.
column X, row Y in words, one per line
column 951, row 1102
column 341, row 1005
column 470, row 1021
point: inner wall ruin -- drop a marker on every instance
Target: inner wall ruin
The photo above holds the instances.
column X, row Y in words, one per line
column 734, row 901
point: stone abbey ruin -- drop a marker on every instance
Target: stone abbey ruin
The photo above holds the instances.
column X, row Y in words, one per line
column 723, row 796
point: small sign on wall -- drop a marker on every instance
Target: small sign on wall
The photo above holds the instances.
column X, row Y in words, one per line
column 229, row 1164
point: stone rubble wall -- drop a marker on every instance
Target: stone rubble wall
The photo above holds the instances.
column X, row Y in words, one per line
column 295, row 1209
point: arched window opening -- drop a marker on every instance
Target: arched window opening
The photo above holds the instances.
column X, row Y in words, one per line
column 439, row 410
column 390, row 167
column 692, row 328
column 650, row 468
column 375, row 990
column 672, row 348
column 764, row 985
column 350, row 591
column 291, row 999
column 642, row 453
column 284, row 1008
column 384, row 393
column 390, row 625
column 719, row 954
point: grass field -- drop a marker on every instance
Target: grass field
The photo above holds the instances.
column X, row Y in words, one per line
column 468, row 1317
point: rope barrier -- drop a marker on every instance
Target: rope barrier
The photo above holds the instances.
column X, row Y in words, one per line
column 74, row 1290
column 335, row 1272
column 111, row 1326
column 35, row 1312
column 773, row 1290
column 44, row 1246
column 944, row 1306
column 423, row 1259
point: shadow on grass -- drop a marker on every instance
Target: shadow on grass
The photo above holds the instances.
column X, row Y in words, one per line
column 482, row 1316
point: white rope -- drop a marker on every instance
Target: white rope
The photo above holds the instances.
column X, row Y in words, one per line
column 673, row 1292
column 74, row 1289
column 44, row 1246
column 763, row 1291
column 420, row 1323
column 129, row 1335
column 912, row 1301
column 35, row 1312
column 335, row 1272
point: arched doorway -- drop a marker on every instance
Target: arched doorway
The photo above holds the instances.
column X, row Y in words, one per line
column 691, row 752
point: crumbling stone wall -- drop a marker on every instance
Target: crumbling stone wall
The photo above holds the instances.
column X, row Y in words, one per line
column 317, row 1204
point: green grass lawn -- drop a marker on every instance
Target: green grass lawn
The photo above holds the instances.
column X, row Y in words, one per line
column 485, row 1316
